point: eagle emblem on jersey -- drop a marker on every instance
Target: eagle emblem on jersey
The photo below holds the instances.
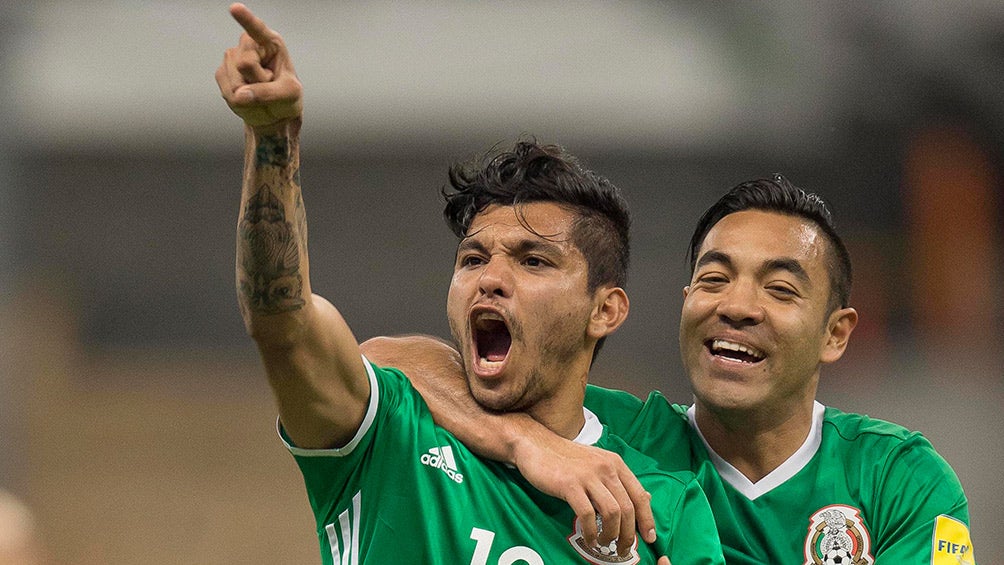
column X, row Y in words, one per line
column 602, row 555
column 837, row 537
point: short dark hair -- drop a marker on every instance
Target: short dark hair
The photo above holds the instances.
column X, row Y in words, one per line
column 532, row 172
column 776, row 194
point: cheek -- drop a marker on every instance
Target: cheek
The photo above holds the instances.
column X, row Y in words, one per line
column 561, row 318
column 690, row 316
column 460, row 286
column 454, row 304
column 804, row 342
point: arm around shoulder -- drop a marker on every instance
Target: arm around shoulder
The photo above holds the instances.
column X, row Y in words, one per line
column 591, row 480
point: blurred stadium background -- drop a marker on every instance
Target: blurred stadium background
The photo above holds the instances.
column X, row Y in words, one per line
column 134, row 418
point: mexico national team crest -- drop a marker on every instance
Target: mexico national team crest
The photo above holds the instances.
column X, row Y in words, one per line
column 604, row 555
column 837, row 537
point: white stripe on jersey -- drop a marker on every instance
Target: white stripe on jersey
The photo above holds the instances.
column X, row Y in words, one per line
column 350, row 535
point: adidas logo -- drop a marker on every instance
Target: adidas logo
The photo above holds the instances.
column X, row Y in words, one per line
column 442, row 458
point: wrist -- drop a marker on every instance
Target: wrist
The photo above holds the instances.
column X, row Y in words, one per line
column 522, row 440
column 284, row 127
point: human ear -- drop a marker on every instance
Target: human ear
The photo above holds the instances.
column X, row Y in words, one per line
column 838, row 332
column 610, row 311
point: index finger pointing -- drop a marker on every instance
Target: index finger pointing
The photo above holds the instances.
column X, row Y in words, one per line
column 251, row 23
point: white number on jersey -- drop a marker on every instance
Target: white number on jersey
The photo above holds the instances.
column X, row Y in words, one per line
column 485, row 538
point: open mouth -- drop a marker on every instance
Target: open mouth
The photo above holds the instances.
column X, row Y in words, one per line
column 492, row 339
column 734, row 351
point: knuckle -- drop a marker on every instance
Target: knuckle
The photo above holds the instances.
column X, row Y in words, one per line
column 611, row 511
column 246, row 61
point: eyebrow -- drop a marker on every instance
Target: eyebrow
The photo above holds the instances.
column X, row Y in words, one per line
column 713, row 257
column 523, row 247
column 470, row 244
column 530, row 245
column 786, row 264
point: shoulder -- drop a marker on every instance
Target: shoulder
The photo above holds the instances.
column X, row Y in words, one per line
column 886, row 448
column 413, row 354
column 644, row 467
column 659, row 413
column 391, row 396
column 910, row 492
column 863, row 429
column 612, row 397
column 627, row 402
column 391, row 381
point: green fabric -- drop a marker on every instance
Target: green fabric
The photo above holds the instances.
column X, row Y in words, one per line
column 407, row 491
column 891, row 477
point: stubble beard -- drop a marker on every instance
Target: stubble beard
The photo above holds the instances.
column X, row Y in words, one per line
column 556, row 353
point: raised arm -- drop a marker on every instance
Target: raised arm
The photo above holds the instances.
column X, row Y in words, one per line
column 591, row 480
column 310, row 355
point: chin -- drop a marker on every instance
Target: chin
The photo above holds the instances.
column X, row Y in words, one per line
column 499, row 399
column 728, row 405
column 725, row 398
column 494, row 399
column 495, row 403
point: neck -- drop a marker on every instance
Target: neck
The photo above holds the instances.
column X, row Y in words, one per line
column 754, row 443
column 559, row 406
column 562, row 412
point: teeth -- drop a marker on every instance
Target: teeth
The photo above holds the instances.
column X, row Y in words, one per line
column 484, row 320
column 719, row 344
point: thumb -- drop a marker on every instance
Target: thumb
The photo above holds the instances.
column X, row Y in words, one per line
column 244, row 95
column 285, row 93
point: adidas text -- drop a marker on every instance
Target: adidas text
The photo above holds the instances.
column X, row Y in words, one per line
column 436, row 460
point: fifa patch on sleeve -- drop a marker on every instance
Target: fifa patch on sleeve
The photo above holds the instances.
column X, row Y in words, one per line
column 952, row 545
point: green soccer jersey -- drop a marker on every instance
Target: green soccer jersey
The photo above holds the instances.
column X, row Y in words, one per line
column 858, row 491
column 405, row 491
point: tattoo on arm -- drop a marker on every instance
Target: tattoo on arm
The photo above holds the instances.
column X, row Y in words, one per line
column 268, row 244
column 272, row 151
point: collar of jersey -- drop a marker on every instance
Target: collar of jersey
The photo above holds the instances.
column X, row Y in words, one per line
column 784, row 471
column 591, row 430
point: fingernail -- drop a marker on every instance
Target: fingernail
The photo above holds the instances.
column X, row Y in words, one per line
column 244, row 95
column 651, row 536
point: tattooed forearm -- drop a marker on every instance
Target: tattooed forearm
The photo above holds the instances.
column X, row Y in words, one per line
column 300, row 215
column 270, row 280
column 271, row 239
column 272, row 150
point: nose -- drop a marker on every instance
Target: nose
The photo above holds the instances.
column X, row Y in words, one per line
column 739, row 305
column 496, row 278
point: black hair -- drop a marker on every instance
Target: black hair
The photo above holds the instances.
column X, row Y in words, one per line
column 532, row 172
column 776, row 194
